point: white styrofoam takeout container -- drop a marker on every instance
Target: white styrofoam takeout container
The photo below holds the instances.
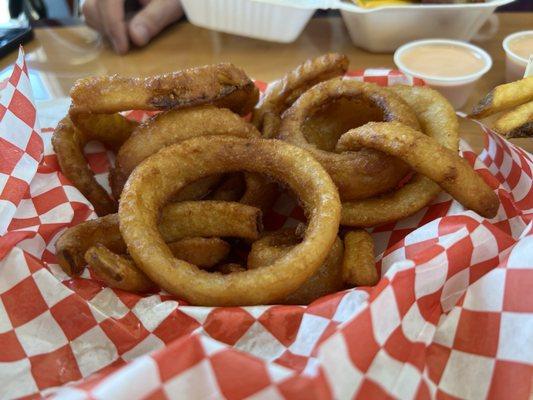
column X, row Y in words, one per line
column 384, row 29
column 276, row 21
column 381, row 29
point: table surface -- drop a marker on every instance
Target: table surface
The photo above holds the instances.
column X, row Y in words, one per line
column 63, row 54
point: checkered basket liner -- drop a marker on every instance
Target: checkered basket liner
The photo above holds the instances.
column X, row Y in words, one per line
column 452, row 316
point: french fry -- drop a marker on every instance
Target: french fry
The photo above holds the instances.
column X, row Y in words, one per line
column 503, row 97
column 516, row 123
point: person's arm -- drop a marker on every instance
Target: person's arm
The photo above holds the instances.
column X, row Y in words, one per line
column 108, row 17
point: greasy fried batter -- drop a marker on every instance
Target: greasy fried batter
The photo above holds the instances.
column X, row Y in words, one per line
column 171, row 127
column 120, row 272
column 357, row 174
column 260, row 191
column 438, row 120
column 358, row 265
column 117, row 271
column 230, row 268
column 281, row 94
column 177, row 221
column 231, row 189
column 448, row 170
column 223, row 85
column 68, row 142
column 152, row 183
column 210, row 218
column 327, row 279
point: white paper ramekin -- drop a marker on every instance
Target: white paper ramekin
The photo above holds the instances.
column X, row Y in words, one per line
column 457, row 89
column 515, row 66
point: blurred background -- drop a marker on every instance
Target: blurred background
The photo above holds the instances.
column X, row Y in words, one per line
column 67, row 12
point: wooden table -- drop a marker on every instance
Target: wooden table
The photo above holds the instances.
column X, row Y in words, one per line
column 62, row 55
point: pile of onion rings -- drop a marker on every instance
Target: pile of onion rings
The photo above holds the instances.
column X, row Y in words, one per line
column 192, row 185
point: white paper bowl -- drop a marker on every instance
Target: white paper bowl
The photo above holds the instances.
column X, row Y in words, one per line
column 457, row 89
column 515, row 66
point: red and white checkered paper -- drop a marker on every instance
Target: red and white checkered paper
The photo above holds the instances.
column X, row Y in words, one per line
column 452, row 316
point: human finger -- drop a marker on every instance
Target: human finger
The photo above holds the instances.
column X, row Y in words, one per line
column 152, row 19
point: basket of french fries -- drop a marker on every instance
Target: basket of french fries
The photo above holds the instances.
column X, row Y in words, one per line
column 201, row 235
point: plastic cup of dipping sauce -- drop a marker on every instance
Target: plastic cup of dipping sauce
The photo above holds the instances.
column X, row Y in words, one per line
column 450, row 66
column 518, row 47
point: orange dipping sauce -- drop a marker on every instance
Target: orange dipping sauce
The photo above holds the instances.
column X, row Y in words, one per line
column 442, row 60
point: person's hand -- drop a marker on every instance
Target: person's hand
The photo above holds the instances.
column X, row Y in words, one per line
column 107, row 17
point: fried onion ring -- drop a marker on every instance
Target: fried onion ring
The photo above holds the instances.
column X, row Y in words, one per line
column 260, row 192
column 172, row 127
column 223, row 85
column 438, row 120
column 120, row 272
column 152, row 183
column 177, row 221
column 504, row 96
column 358, row 264
column 230, row 268
column 117, row 271
column 68, row 142
column 327, row 279
column 358, row 174
column 231, row 189
column 281, row 94
column 448, row 170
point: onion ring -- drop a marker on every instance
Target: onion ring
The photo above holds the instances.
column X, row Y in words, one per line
column 68, row 142
column 231, row 189
column 230, row 268
column 110, row 129
column 223, row 85
column 358, row 174
column 327, row 279
column 260, row 192
column 171, row 127
column 117, row 271
column 153, row 182
column 358, row 264
column 281, row 94
column 120, row 272
column 200, row 251
column 177, row 221
column 448, row 170
column 438, row 120
column 196, row 190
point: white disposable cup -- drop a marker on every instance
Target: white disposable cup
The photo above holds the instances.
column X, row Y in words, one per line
column 456, row 89
column 515, row 66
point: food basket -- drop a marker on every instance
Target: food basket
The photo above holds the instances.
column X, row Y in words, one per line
column 380, row 29
column 451, row 316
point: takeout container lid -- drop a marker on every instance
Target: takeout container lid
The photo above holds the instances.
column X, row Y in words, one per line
column 379, row 29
